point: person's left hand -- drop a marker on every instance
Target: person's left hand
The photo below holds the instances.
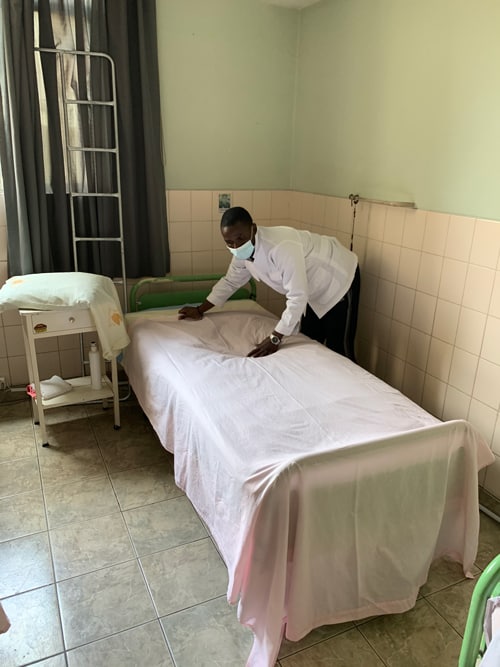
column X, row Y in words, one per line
column 263, row 349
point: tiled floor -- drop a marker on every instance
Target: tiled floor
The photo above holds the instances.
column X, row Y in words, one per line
column 104, row 563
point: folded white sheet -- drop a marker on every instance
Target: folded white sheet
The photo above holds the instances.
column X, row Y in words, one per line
column 54, row 386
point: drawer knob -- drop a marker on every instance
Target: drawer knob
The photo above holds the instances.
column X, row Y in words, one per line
column 72, row 319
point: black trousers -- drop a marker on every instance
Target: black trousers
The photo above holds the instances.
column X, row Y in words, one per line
column 337, row 328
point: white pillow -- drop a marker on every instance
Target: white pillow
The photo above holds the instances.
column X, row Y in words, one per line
column 50, row 291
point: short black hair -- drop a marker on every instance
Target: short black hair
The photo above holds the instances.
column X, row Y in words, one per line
column 234, row 215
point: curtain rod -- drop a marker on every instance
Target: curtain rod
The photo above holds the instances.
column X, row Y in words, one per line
column 403, row 204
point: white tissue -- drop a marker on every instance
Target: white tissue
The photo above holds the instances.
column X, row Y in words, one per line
column 54, row 386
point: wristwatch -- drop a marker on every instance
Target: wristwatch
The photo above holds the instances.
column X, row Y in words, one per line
column 275, row 340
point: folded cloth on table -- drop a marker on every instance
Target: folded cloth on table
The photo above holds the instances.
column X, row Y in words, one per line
column 54, row 386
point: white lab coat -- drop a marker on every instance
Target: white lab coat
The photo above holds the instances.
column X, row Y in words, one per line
column 308, row 268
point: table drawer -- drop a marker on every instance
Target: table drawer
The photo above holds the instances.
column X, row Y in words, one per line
column 60, row 322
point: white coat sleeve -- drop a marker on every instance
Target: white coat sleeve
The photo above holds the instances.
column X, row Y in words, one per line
column 237, row 275
column 288, row 260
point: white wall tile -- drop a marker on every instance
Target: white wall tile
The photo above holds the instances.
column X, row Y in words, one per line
column 389, row 262
column 242, row 198
column 179, row 236
column 452, row 280
column 381, row 331
column 486, row 244
column 439, row 359
column 483, row 418
column 424, row 309
column 445, row 321
column 459, row 241
column 429, row 273
column 491, row 341
column 376, row 222
column 478, row 288
column 345, row 216
column 394, row 226
column 409, row 262
column 433, row 395
column 261, row 205
column 414, row 229
column 418, row 349
column 280, row 205
column 14, row 340
column 362, row 214
column 394, row 371
column 463, row 370
column 495, row 297
column 436, row 233
column 456, row 404
column 398, row 339
column 496, row 444
column 201, row 205
column 403, row 304
column 373, row 257
column 470, row 330
column 487, row 384
column 492, row 477
column 179, row 205
column 203, row 262
column 413, row 383
column 385, row 297
column 201, row 233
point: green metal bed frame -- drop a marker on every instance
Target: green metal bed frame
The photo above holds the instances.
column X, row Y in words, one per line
column 473, row 643
column 177, row 291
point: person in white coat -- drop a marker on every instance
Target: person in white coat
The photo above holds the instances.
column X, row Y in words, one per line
column 316, row 273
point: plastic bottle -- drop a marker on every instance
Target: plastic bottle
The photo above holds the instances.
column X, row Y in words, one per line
column 95, row 366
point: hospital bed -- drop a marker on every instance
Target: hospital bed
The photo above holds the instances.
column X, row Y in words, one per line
column 328, row 492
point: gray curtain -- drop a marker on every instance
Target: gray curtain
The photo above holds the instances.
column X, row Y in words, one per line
column 32, row 151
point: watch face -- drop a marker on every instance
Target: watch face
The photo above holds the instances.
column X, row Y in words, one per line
column 275, row 340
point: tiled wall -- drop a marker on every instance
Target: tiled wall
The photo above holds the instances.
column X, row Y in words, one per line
column 429, row 321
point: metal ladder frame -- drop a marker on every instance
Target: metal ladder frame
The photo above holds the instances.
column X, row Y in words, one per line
column 60, row 55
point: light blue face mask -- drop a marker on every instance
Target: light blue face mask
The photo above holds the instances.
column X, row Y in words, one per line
column 244, row 251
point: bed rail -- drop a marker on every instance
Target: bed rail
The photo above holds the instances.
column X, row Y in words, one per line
column 171, row 291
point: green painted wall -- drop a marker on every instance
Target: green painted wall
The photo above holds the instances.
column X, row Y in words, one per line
column 227, row 78
column 400, row 99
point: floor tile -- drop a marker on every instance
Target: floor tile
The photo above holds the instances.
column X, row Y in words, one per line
column 489, row 541
column 344, row 650
column 71, row 461
column 23, row 514
column 208, row 635
column 79, row 500
column 102, row 603
column 314, row 637
column 56, row 661
column 19, row 476
column 82, row 547
column 17, row 443
column 133, row 422
column 418, row 638
column 144, row 646
column 444, row 573
column 35, row 631
column 25, row 564
column 453, row 603
column 146, row 485
column 185, row 576
column 163, row 525
column 132, row 451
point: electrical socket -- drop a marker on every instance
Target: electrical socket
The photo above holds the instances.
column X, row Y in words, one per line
column 3, row 384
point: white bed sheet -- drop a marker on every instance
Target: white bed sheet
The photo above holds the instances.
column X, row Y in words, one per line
column 328, row 492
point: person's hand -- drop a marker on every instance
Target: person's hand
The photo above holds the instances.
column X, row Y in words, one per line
column 190, row 313
column 263, row 349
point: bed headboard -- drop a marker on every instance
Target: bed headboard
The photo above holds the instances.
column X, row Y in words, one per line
column 179, row 290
